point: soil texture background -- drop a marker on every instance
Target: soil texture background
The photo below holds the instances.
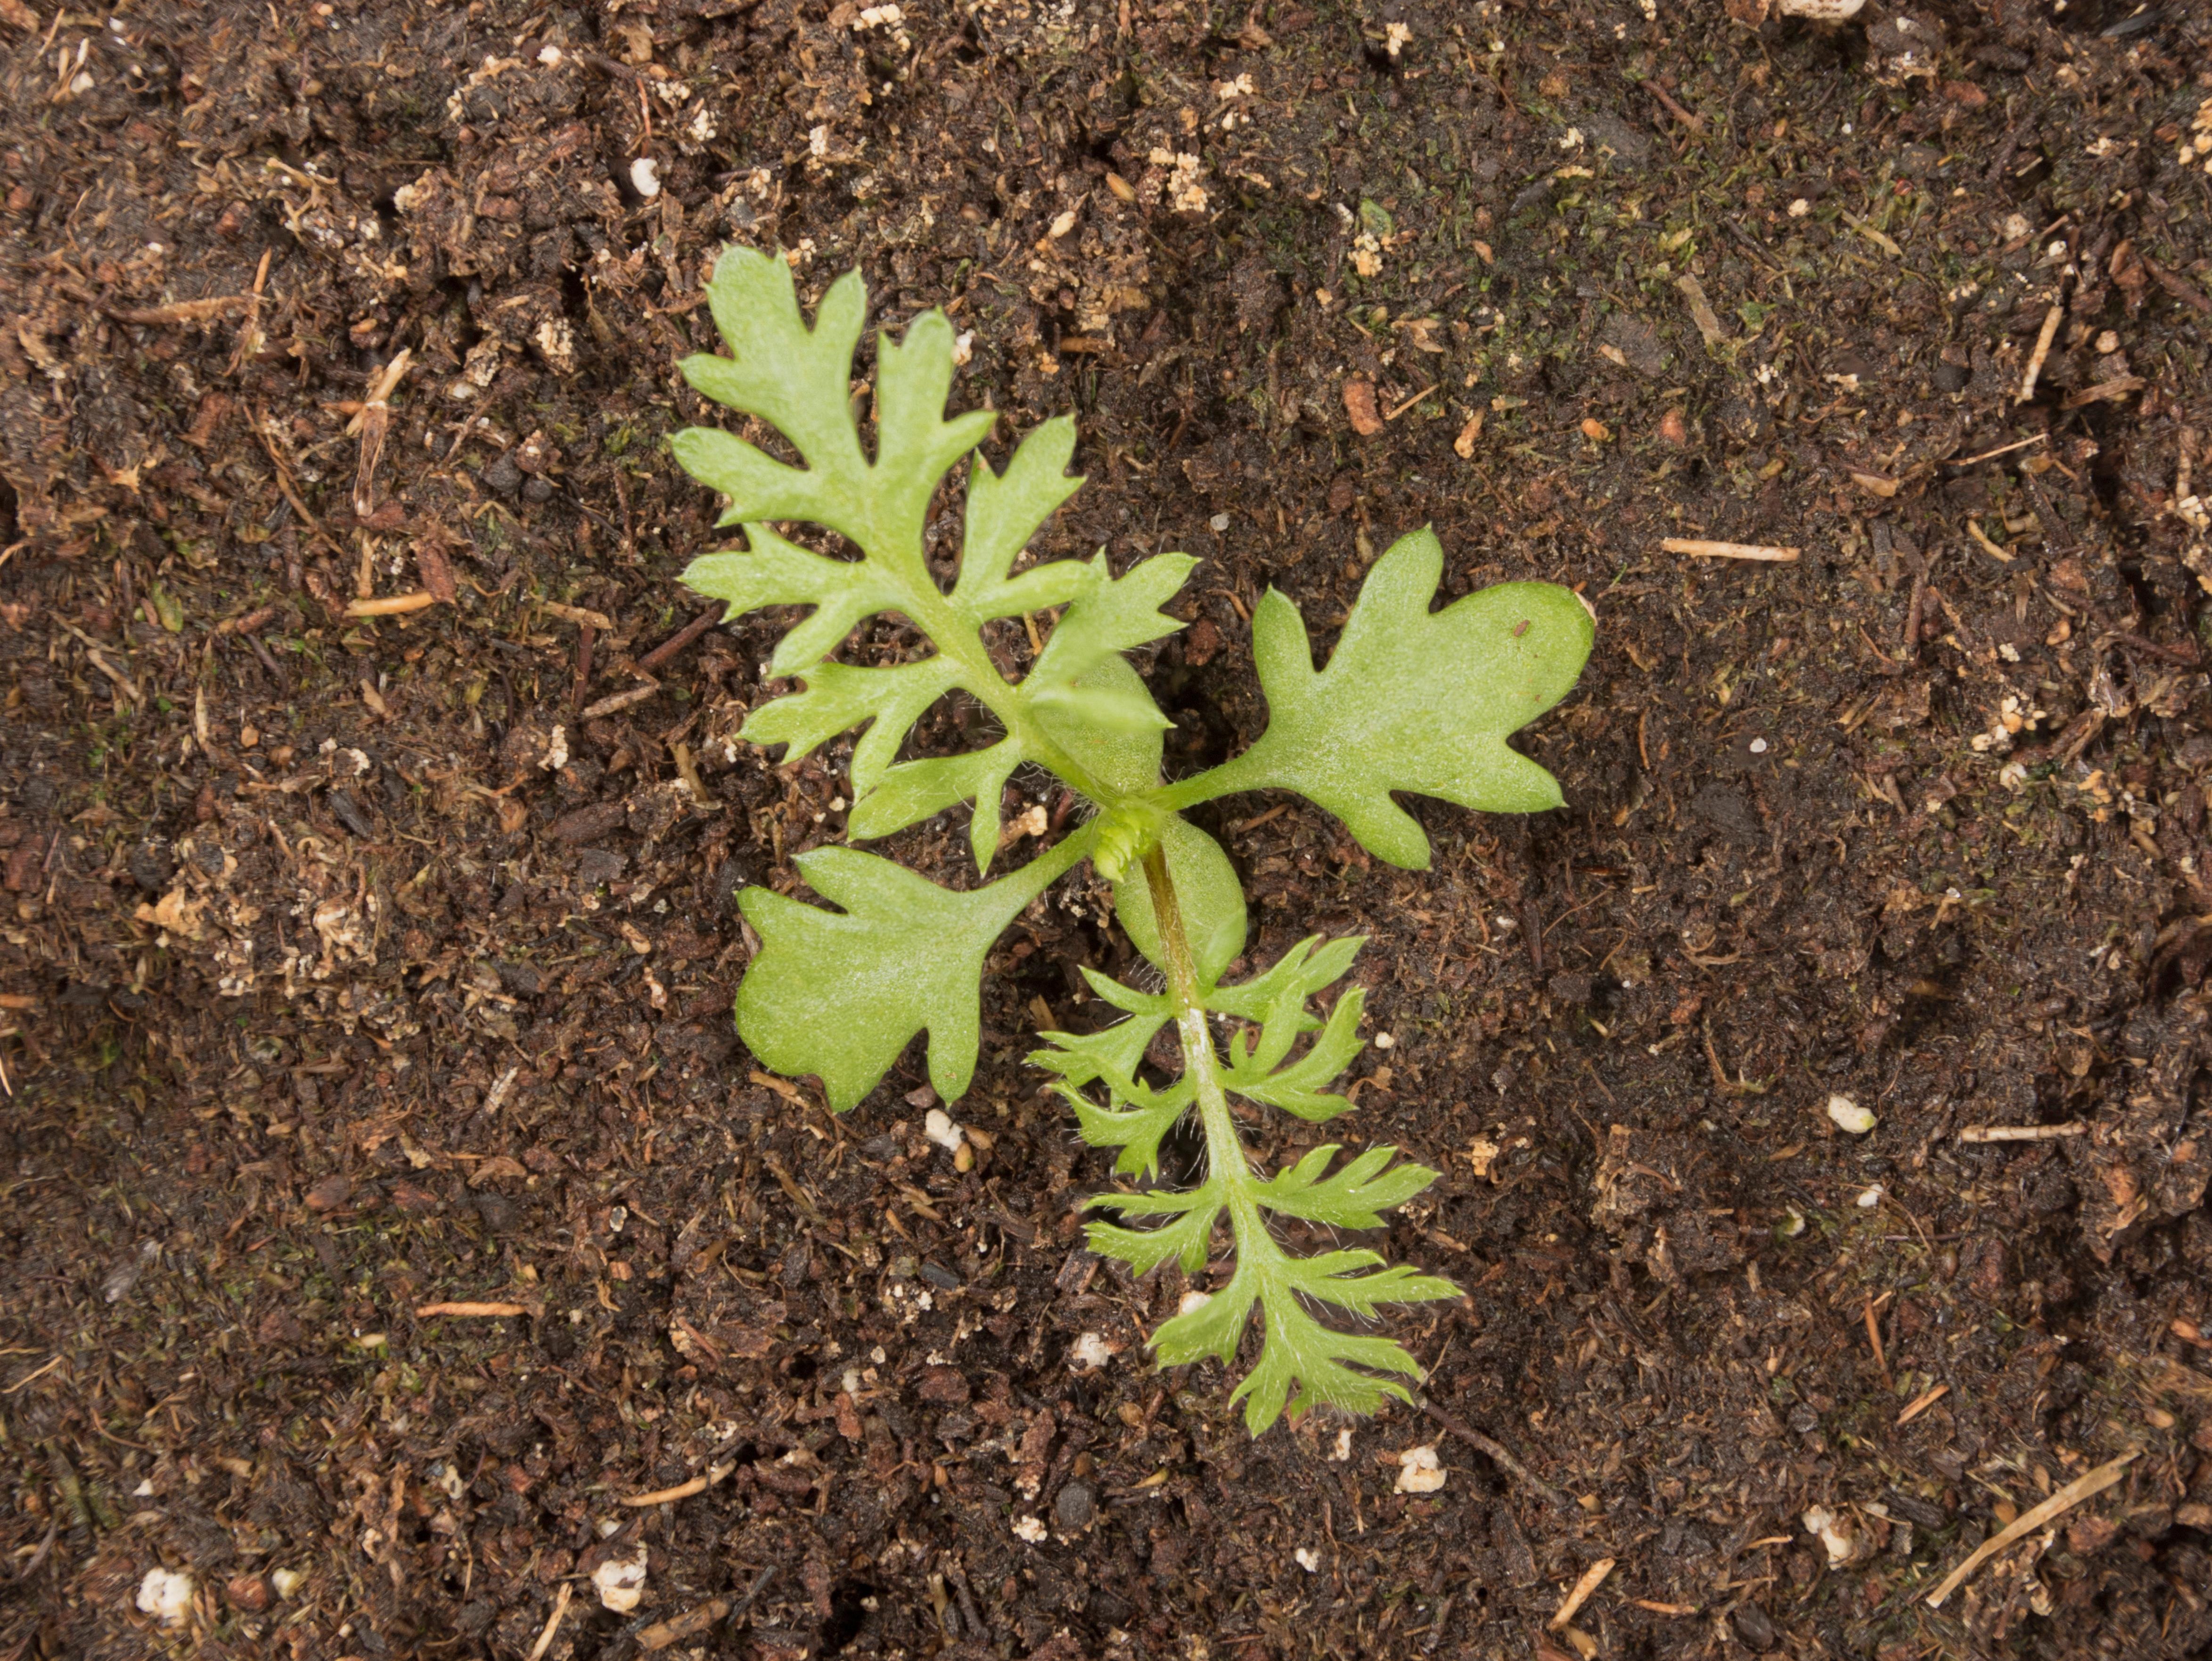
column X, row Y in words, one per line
column 371, row 810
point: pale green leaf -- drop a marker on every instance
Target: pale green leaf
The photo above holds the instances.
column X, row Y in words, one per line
column 1325, row 1366
column 1005, row 510
column 1298, row 1088
column 1137, row 1132
column 1353, row 1196
column 1107, row 616
column 1329, row 1278
column 1112, row 1053
column 911, row 791
column 773, row 571
column 839, row 696
column 1411, row 700
column 1145, row 1249
column 840, row 993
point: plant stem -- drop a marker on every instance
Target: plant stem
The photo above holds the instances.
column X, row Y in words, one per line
column 1226, row 1160
column 935, row 616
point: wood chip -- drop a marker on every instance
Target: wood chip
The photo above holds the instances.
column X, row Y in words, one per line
column 2022, row 1133
column 2117, row 387
column 2081, row 1487
column 1593, row 1577
column 492, row 1310
column 1987, row 546
column 1701, row 310
column 690, row 1624
column 1880, row 239
column 1360, row 404
column 1704, row 550
column 184, row 311
column 1400, row 409
column 2051, row 320
column 1875, row 485
column 1464, row 446
column 2001, row 450
column 392, row 605
column 1920, row 1403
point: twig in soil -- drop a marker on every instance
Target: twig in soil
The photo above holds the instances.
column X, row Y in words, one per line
column 184, row 311
column 38, row 1557
column 682, row 638
column 1593, row 1577
column 285, row 486
column 2001, row 450
column 2176, row 285
column 586, row 634
column 1920, row 1403
column 698, row 1484
column 486, row 1309
column 2081, row 1487
column 1704, row 550
column 1695, row 122
column 391, row 604
column 1987, row 546
column 552, row 1622
column 28, row 1377
column 2117, row 388
column 2185, row 655
column 1874, row 1338
column 1910, row 652
column 1400, row 409
column 1496, row 1451
column 618, row 701
column 2020, row 1133
column 958, row 1577
column 249, row 332
column 369, row 424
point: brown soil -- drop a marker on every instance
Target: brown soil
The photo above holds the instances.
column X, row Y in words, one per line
column 326, row 999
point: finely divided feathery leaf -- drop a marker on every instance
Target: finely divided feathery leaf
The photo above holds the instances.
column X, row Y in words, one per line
column 1342, row 1369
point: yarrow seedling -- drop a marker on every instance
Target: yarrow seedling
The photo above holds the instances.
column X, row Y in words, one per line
column 1411, row 700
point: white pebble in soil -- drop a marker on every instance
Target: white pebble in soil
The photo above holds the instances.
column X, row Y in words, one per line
column 1419, row 1471
column 1849, row 1116
column 165, row 1595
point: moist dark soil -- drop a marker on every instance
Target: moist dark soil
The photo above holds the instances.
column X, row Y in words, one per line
column 357, row 960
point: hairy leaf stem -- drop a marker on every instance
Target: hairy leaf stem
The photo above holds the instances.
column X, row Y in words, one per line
column 1226, row 1160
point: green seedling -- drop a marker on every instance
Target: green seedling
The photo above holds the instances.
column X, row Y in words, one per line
column 1411, row 700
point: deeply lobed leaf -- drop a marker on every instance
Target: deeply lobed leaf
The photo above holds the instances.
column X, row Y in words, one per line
column 797, row 379
column 1411, row 699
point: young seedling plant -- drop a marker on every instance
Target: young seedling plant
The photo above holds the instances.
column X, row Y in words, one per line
column 1410, row 700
